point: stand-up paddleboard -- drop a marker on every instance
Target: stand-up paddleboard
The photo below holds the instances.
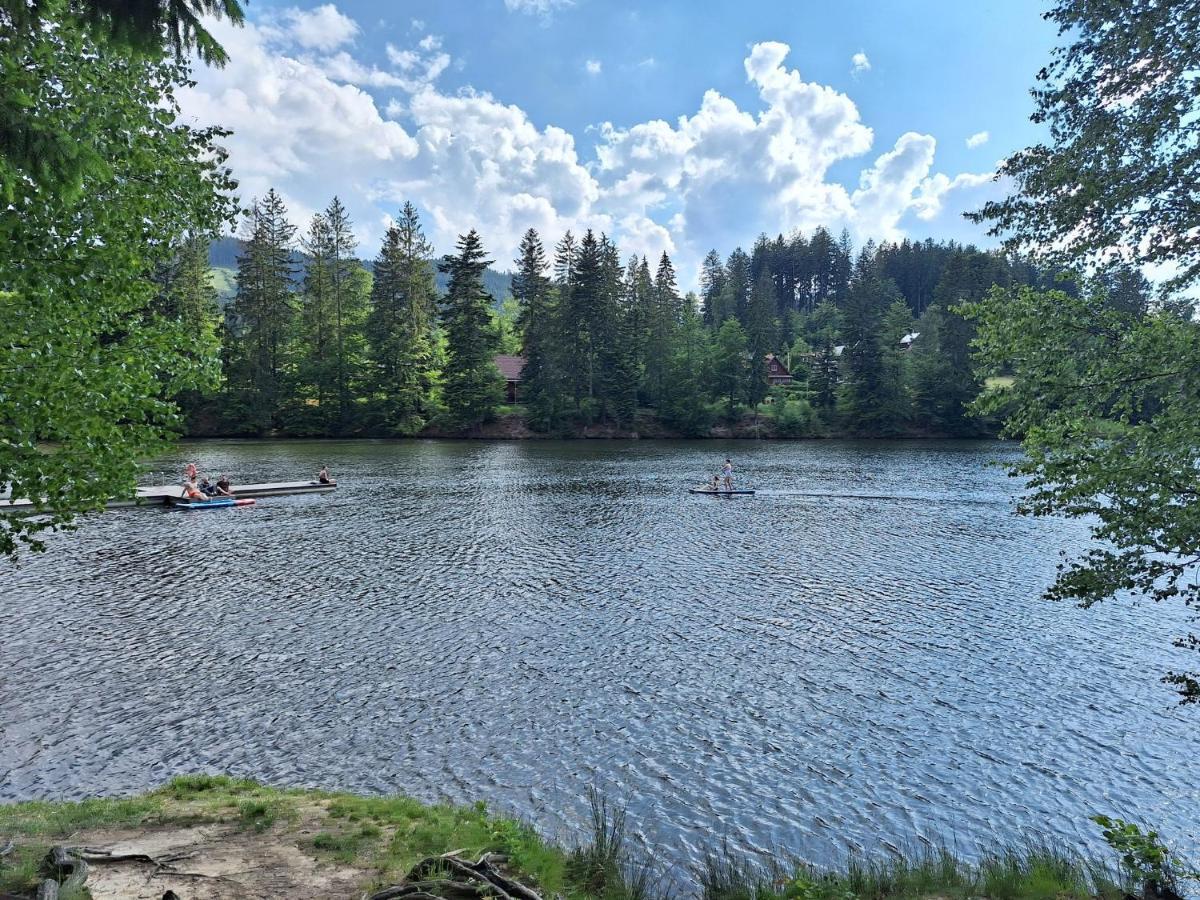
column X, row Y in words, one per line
column 719, row 493
column 215, row 503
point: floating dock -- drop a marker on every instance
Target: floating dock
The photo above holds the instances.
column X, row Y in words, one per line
column 164, row 495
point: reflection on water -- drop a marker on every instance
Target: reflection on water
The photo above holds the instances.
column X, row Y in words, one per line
column 857, row 655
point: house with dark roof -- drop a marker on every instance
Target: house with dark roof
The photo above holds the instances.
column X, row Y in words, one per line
column 777, row 372
column 510, row 367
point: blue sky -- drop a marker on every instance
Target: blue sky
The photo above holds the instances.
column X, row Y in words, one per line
column 673, row 126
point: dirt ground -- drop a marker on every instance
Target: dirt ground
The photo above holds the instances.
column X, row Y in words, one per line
column 221, row 862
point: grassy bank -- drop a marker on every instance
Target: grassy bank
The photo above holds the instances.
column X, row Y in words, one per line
column 350, row 846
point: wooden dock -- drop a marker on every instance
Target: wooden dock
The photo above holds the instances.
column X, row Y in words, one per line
column 164, row 495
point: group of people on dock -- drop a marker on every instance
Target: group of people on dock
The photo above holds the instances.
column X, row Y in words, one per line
column 199, row 487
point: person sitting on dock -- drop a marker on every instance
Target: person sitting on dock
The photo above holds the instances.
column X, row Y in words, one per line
column 223, row 488
column 207, row 487
column 323, row 476
column 716, row 483
column 192, row 492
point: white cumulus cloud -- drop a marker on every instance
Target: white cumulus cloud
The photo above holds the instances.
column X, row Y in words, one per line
column 305, row 122
column 860, row 63
column 978, row 139
column 322, row 28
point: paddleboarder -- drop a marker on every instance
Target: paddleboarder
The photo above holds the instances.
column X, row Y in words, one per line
column 727, row 474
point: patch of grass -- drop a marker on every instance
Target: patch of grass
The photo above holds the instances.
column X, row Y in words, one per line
column 38, row 817
column 605, row 867
column 19, row 870
column 346, row 847
column 1031, row 873
column 261, row 814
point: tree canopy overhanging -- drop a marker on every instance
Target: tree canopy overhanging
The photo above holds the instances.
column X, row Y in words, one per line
column 1106, row 388
column 92, row 356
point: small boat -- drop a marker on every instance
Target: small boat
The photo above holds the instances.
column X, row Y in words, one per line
column 719, row 493
column 214, row 503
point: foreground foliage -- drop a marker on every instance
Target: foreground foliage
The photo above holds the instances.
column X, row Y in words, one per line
column 92, row 356
column 1106, row 388
column 389, row 835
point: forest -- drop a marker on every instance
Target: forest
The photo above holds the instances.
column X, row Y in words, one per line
column 316, row 342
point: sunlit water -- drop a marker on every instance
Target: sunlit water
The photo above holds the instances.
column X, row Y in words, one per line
column 856, row 657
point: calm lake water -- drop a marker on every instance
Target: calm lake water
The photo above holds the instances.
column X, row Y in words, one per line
column 858, row 656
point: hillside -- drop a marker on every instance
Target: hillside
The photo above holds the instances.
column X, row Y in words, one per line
column 223, row 254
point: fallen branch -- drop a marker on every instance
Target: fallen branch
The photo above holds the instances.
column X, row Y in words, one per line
column 450, row 877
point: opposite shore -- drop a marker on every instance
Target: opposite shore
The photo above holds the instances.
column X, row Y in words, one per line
column 513, row 425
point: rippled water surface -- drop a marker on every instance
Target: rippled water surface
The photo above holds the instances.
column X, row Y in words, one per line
column 856, row 656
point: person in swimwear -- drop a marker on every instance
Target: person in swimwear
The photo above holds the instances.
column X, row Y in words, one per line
column 727, row 474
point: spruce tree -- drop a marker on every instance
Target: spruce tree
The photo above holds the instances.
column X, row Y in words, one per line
column 261, row 319
column 400, row 327
column 730, row 364
column 317, row 364
column 863, row 401
column 349, row 288
column 545, row 382
column 616, row 357
column 685, row 405
column 761, row 336
column 472, row 382
column 712, row 287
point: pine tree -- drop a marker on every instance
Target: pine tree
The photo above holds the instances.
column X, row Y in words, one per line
column 261, row 319
column 545, row 381
column 472, row 382
column 730, row 364
column 712, row 287
column 349, row 289
column 664, row 315
column 761, row 336
column 863, row 398
column 316, row 366
column 188, row 296
column 685, row 405
column 638, row 300
column 400, row 326
column 616, row 358
column 737, row 286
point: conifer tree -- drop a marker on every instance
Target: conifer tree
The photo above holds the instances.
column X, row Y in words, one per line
column 737, row 286
column 261, row 319
column 761, row 336
column 472, row 382
column 862, row 399
column 400, row 327
column 616, row 356
column 685, row 405
column 349, row 288
column 664, row 314
column 545, row 381
column 730, row 364
column 712, row 286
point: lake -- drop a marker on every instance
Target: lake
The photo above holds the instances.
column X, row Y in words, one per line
column 856, row 657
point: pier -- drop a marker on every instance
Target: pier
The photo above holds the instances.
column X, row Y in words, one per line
column 165, row 495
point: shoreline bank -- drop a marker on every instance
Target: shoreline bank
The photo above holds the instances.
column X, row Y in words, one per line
column 515, row 427
column 206, row 836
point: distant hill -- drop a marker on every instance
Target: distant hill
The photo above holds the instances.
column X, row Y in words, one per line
column 223, row 254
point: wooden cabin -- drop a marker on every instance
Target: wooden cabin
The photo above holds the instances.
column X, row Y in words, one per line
column 777, row 372
column 510, row 367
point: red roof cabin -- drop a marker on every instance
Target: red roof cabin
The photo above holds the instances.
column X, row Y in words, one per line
column 777, row 372
column 510, row 367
